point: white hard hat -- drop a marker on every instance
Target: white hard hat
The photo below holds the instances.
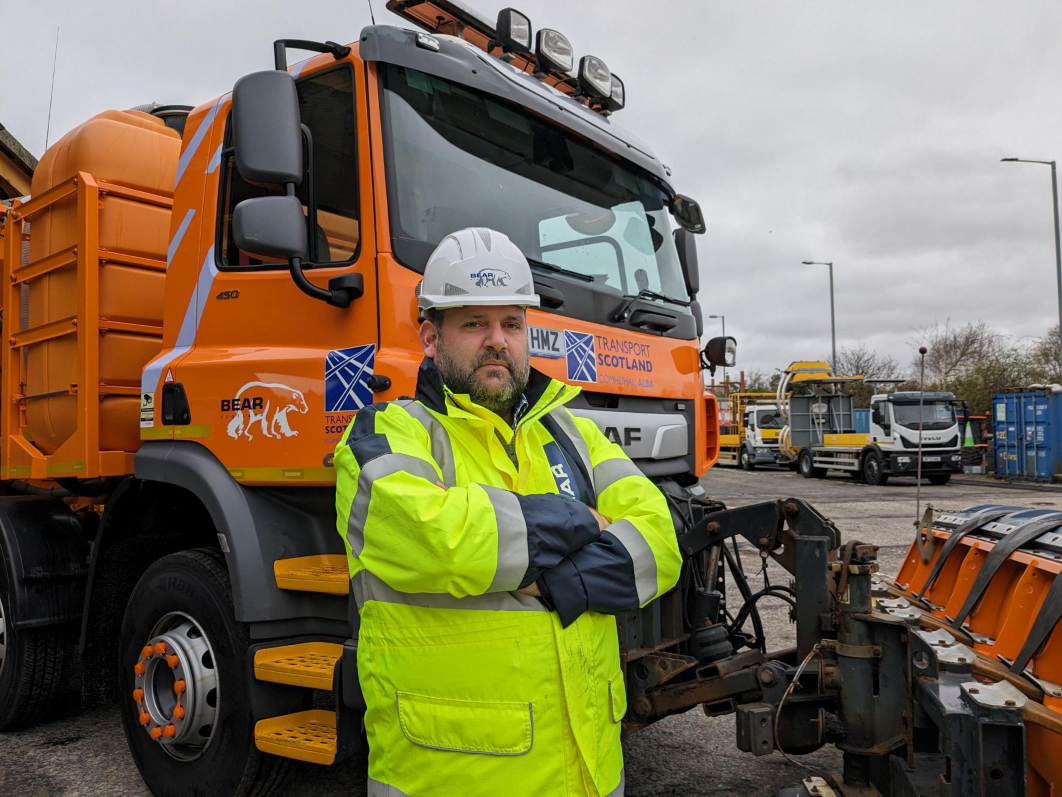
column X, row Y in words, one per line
column 476, row 266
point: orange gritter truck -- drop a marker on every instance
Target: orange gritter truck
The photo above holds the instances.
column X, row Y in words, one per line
column 196, row 302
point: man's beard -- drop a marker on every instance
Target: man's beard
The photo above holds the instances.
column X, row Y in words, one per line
column 498, row 399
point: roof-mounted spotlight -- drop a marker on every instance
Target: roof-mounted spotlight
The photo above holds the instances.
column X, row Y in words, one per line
column 595, row 79
column 513, row 31
column 553, row 52
column 617, row 98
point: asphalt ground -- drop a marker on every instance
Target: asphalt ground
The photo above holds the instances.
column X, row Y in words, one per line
column 689, row 754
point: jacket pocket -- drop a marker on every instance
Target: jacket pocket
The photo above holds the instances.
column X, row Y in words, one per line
column 466, row 726
column 617, row 698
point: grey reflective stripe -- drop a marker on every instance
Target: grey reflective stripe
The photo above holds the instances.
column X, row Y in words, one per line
column 379, row 789
column 513, row 557
column 442, row 450
column 567, row 424
column 642, row 556
column 381, row 466
column 611, row 471
column 616, row 792
column 367, row 587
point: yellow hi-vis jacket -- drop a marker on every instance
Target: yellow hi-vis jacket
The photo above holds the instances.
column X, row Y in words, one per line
column 473, row 688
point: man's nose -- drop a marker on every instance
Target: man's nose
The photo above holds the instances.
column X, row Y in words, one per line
column 496, row 337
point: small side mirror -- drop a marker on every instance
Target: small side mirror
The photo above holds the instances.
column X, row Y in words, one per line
column 270, row 227
column 875, row 415
column 688, row 213
column 266, row 128
column 721, row 351
column 686, row 245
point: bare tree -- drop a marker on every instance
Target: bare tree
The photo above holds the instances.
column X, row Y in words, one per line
column 758, row 381
column 1044, row 358
column 954, row 351
column 861, row 360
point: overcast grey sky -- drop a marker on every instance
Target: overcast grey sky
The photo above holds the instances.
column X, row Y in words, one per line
column 868, row 133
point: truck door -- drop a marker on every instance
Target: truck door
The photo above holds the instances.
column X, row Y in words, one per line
column 274, row 376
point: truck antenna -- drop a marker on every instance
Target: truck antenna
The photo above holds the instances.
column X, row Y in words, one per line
column 372, row 16
column 51, row 94
column 922, row 524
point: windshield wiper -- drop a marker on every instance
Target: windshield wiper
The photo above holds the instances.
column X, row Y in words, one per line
column 624, row 312
column 567, row 272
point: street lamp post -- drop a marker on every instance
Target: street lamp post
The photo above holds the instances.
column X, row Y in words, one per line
column 723, row 319
column 833, row 322
column 1058, row 250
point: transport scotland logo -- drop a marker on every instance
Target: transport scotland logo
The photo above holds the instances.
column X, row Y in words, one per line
column 581, row 355
column 347, row 372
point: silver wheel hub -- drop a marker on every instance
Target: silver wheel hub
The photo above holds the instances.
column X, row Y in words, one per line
column 176, row 687
column 3, row 635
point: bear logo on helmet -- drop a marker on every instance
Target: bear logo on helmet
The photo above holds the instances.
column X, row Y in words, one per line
column 491, row 278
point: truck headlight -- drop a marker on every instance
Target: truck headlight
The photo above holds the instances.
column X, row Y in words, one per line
column 903, row 460
column 617, row 99
column 513, row 31
column 595, row 79
column 553, row 51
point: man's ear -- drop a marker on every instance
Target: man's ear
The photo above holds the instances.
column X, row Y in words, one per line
column 429, row 338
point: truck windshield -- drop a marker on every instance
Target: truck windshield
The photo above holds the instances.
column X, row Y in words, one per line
column 935, row 415
column 458, row 158
column 769, row 419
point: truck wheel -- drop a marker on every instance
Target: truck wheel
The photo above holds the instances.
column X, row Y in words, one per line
column 34, row 664
column 805, row 465
column 745, row 460
column 939, row 478
column 872, row 471
column 183, row 684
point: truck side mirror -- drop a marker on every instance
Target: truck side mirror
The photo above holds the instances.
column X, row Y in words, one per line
column 875, row 415
column 686, row 245
column 688, row 213
column 270, row 227
column 266, row 129
column 721, row 351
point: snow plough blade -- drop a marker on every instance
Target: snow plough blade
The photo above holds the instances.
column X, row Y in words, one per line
column 990, row 572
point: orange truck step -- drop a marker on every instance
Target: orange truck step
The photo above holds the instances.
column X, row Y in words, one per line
column 307, row 664
column 304, row 736
column 320, row 573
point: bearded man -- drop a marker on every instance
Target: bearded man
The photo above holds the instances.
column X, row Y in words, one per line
column 490, row 535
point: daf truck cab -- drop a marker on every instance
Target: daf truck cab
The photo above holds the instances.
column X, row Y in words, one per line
column 895, row 421
column 209, row 305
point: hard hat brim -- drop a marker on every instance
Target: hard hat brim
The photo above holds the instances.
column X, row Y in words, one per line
column 450, row 302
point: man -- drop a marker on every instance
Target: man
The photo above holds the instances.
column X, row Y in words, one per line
column 490, row 534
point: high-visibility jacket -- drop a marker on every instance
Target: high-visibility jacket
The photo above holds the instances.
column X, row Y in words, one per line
column 473, row 688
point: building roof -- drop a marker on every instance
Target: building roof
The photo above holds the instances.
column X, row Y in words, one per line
column 16, row 166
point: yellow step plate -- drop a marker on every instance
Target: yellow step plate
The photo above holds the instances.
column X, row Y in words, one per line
column 321, row 573
column 305, row 736
column 308, row 664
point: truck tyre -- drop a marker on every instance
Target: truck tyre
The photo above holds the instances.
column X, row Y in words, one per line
column 183, row 684
column 34, row 663
column 939, row 478
column 806, row 466
column 745, row 460
column 873, row 473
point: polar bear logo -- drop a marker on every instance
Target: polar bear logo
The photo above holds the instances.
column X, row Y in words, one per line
column 257, row 399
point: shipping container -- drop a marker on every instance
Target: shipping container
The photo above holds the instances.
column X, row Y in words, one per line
column 1028, row 434
column 861, row 420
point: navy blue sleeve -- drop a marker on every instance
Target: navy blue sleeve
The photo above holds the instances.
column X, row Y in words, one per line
column 598, row 577
column 556, row 528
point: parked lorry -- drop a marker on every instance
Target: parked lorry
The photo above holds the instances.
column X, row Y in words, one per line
column 819, row 433
column 751, row 436
column 183, row 344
